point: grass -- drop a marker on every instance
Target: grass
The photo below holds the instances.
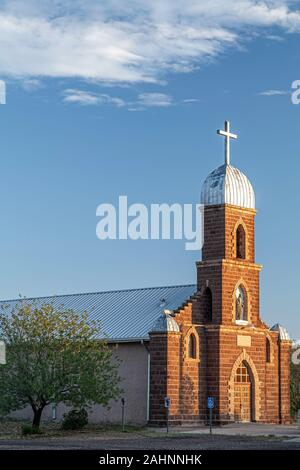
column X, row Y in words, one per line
column 12, row 429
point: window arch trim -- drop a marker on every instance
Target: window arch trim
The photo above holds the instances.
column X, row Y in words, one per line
column 192, row 332
column 256, row 383
column 241, row 223
column 271, row 349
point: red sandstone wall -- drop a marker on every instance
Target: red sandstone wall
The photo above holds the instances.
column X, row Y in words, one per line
column 220, row 223
column 285, row 361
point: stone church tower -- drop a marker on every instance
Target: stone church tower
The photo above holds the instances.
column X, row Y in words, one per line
column 216, row 345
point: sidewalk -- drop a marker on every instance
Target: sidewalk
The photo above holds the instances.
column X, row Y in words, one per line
column 235, row 429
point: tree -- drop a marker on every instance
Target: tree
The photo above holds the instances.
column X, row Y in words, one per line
column 295, row 384
column 53, row 356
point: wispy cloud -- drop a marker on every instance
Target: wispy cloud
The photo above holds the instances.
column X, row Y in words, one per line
column 154, row 99
column 114, row 41
column 274, row 92
column 275, row 37
column 91, row 98
column 140, row 103
column 31, row 84
column 80, row 97
column 87, row 98
column 191, row 100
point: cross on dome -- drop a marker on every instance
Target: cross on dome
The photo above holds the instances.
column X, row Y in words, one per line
column 228, row 135
column 227, row 184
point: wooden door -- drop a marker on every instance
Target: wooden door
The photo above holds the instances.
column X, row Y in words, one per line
column 242, row 394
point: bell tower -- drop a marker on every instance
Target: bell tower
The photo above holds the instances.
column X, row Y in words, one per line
column 228, row 267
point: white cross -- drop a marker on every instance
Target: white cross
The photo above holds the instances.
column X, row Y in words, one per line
column 228, row 135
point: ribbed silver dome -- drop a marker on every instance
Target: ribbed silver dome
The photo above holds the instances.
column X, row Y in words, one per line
column 283, row 333
column 228, row 185
column 165, row 323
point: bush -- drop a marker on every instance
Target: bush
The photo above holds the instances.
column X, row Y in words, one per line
column 75, row 419
column 27, row 429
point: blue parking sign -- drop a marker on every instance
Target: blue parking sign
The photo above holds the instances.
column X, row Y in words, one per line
column 167, row 402
column 210, row 402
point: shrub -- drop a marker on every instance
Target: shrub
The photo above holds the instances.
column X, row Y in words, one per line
column 28, row 429
column 75, row 419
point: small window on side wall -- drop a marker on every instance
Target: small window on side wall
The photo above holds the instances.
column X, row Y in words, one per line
column 208, row 305
column 240, row 242
column 268, row 351
column 192, row 346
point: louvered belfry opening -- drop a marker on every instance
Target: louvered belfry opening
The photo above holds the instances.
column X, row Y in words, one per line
column 240, row 242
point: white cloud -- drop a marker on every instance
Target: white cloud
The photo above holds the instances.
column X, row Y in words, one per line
column 117, row 41
column 31, row 84
column 154, row 99
column 80, row 97
column 191, row 100
column 273, row 92
column 90, row 98
column 87, row 98
column 274, row 37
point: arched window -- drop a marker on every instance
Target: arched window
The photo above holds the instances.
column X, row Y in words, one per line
column 268, row 350
column 208, row 305
column 241, row 307
column 240, row 242
column 192, row 346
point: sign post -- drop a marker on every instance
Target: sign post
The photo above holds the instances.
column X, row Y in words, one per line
column 210, row 406
column 123, row 414
column 54, row 411
column 167, row 406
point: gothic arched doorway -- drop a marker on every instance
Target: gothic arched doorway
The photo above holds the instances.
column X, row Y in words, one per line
column 243, row 393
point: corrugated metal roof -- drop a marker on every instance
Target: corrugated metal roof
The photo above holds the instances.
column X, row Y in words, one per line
column 124, row 314
column 228, row 185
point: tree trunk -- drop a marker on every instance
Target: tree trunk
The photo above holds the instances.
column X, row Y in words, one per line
column 37, row 417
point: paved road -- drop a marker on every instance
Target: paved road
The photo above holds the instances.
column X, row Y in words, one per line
column 183, row 442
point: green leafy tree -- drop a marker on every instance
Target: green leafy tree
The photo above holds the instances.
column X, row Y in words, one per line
column 53, row 356
column 295, row 386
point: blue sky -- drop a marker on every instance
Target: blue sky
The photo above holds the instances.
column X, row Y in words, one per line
column 134, row 111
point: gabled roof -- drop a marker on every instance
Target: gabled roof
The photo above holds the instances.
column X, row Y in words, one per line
column 125, row 315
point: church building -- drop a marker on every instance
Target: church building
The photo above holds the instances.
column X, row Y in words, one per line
column 192, row 342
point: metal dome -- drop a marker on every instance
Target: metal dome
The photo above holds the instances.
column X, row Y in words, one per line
column 228, row 185
column 165, row 323
column 283, row 333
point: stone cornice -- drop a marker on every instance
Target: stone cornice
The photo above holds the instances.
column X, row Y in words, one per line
column 230, row 206
column 246, row 330
column 230, row 263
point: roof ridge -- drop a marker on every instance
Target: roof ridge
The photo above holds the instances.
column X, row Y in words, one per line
column 97, row 292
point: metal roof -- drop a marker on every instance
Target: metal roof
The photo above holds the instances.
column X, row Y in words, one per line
column 228, row 185
column 125, row 315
